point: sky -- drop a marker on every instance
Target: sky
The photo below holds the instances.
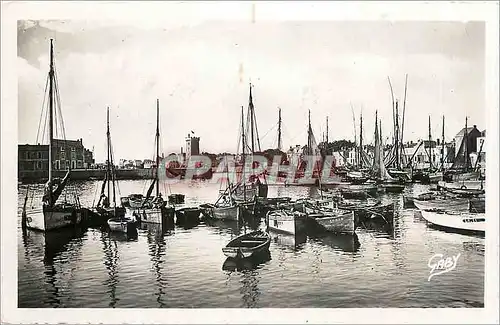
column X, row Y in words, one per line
column 200, row 72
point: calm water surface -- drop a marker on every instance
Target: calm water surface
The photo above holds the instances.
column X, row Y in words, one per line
column 186, row 268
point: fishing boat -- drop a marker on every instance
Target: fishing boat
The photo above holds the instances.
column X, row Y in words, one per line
column 248, row 245
column 187, row 216
column 50, row 213
column 224, row 208
column 457, row 204
column 456, row 220
column 105, row 209
column 361, row 191
column 149, row 209
column 336, row 221
column 369, row 209
column 356, row 177
column 248, row 189
column 286, row 221
column 379, row 171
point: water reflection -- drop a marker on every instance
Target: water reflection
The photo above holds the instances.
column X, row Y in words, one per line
column 249, row 276
column 338, row 242
column 155, row 234
column 54, row 245
column 111, row 258
column 294, row 242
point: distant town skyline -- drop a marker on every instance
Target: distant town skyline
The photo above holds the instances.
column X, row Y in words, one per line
column 201, row 74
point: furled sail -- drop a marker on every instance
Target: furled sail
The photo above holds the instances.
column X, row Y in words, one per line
column 53, row 190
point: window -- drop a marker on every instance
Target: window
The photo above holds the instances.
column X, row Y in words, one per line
column 73, row 149
column 62, row 149
column 39, row 155
column 38, row 165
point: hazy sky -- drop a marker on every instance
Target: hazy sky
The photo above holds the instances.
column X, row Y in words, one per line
column 201, row 73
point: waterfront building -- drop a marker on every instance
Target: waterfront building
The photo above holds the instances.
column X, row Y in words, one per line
column 66, row 154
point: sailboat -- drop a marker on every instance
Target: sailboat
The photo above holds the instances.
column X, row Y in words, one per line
column 49, row 213
column 229, row 204
column 252, row 188
column 379, row 171
column 148, row 209
column 105, row 209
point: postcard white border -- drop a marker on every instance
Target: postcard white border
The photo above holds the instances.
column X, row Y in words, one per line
column 192, row 13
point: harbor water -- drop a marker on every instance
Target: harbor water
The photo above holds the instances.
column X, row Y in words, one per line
column 185, row 268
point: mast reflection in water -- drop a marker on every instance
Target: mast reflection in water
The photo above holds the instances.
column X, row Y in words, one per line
column 383, row 265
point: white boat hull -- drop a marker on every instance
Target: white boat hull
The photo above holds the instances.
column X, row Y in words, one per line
column 458, row 221
column 45, row 220
column 150, row 215
column 285, row 222
column 463, row 185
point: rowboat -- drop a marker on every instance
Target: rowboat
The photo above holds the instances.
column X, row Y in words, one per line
column 248, row 245
column 456, row 220
column 286, row 221
column 221, row 211
column 121, row 224
column 362, row 191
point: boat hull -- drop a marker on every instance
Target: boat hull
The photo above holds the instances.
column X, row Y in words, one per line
column 336, row 222
column 462, row 221
column 187, row 216
column 47, row 219
column 226, row 213
column 246, row 246
column 285, row 222
column 152, row 215
column 120, row 225
column 461, row 205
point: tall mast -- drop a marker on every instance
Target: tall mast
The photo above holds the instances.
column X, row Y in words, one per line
column 51, row 110
column 309, row 142
column 404, row 111
column 279, row 128
column 250, row 106
column 396, row 134
column 326, row 130
column 243, row 180
column 361, row 140
column 108, row 165
column 430, row 145
column 157, row 146
column 466, row 149
column 442, row 147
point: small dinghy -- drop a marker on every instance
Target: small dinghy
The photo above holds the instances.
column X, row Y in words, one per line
column 248, row 245
column 124, row 225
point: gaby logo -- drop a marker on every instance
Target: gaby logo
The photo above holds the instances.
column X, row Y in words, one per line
column 440, row 265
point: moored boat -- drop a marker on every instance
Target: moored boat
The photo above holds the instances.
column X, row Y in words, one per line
column 456, row 220
column 336, row 221
column 121, row 224
column 187, row 215
column 52, row 211
column 248, row 245
column 456, row 204
column 286, row 221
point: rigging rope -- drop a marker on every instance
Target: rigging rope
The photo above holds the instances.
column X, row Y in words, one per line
column 42, row 110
